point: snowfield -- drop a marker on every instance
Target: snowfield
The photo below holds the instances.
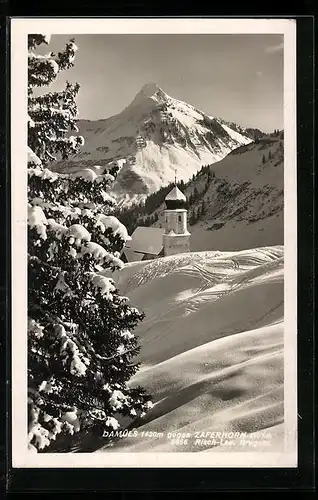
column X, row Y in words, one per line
column 211, row 349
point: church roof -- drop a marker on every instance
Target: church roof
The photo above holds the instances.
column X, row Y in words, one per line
column 175, row 195
column 131, row 255
column 146, row 240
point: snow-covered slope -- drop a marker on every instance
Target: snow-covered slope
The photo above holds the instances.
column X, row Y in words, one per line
column 155, row 135
column 211, row 348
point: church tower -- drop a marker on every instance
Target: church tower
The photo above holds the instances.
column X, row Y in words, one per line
column 176, row 238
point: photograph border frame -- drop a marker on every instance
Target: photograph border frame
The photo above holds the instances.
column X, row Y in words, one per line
column 305, row 275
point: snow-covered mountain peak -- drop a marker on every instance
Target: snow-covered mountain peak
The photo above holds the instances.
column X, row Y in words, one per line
column 149, row 89
column 149, row 95
column 156, row 134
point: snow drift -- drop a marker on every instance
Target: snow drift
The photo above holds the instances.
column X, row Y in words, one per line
column 211, row 347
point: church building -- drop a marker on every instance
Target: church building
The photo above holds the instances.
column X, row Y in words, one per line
column 152, row 242
column 176, row 238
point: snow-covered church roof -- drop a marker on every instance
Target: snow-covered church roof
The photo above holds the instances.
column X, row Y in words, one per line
column 146, row 240
column 175, row 195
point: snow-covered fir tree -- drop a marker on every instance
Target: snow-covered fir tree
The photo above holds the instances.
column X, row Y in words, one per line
column 81, row 347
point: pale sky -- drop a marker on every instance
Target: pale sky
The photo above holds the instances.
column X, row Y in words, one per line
column 235, row 77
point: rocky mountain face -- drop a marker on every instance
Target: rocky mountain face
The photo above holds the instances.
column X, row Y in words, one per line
column 153, row 138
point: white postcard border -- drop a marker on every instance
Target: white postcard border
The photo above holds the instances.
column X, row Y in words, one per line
column 20, row 27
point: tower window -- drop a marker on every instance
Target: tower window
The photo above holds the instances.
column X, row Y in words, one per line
column 179, row 218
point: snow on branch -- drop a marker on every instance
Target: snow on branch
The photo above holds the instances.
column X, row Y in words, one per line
column 104, row 284
column 42, row 69
column 69, row 349
column 101, row 256
column 106, row 197
column 77, row 234
column 112, row 422
column 95, row 250
column 34, row 160
column 84, row 188
column 62, row 286
column 109, row 221
column 37, row 220
column 117, row 400
column 37, row 39
column 86, row 173
column 35, row 329
column 58, row 229
column 39, row 436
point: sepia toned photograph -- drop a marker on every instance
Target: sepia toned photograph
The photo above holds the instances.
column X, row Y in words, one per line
column 154, row 243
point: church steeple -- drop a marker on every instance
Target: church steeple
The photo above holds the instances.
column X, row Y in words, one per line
column 176, row 238
column 175, row 199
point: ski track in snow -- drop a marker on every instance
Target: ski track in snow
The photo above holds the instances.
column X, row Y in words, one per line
column 211, row 346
